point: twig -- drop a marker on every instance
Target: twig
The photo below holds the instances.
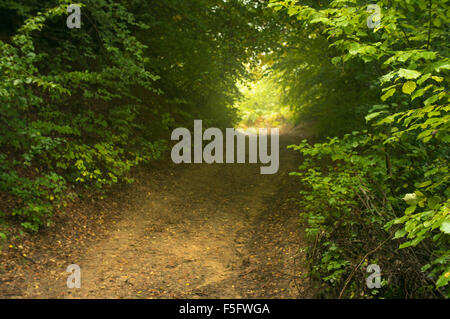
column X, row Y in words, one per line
column 30, row 259
column 360, row 263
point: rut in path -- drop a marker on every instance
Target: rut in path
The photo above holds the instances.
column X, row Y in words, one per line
column 194, row 231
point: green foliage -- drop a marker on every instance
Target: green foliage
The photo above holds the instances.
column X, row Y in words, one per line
column 82, row 107
column 392, row 87
column 261, row 103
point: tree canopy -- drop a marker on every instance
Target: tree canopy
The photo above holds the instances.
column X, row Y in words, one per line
column 79, row 108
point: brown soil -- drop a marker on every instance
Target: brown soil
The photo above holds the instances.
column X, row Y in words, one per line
column 179, row 231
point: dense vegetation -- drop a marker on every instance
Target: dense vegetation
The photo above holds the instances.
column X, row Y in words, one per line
column 81, row 107
column 261, row 103
column 378, row 186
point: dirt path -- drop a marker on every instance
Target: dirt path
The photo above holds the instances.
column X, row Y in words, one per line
column 191, row 231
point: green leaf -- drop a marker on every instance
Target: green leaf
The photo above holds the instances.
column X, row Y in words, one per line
column 425, row 184
column 445, row 227
column 423, row 78
column 388, row 94
column 410, row 210
column 404, row 245
column 410, row 199
column 400, row 233
column 409, row 74
column 437, row 78
column 409, row 87
column 443, row 280
column 373, row 115
column 434, row 202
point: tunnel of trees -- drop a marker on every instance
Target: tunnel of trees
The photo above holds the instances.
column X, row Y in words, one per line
column 80, row 107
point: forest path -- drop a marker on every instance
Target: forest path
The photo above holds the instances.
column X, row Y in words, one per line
column 192, row 231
